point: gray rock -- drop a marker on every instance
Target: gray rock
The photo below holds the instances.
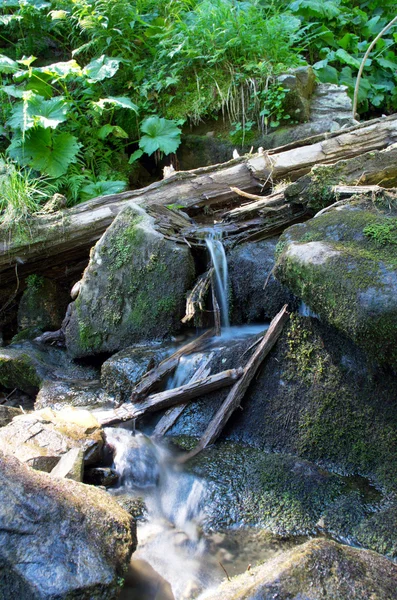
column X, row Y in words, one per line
column 250, row 266
column 71, row 465
column 339, row 268
column 41, row 438
column 133, row 289
column 27, row 365
column 300, row 84
column 43, row 304
column 317, row 570
column 331, row 103
column 101, row 476
column 7, row 413
column 58, row 538
column 80, row 394
column 122, row 371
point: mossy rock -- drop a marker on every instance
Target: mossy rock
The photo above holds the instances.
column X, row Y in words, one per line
column 43, row 304
column 343, row 264
column 133, row 289
column 317, row 570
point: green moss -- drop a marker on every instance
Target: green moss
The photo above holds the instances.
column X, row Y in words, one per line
column 18, row 372
column 383, row 232
column 323, row 178
column 34, row 282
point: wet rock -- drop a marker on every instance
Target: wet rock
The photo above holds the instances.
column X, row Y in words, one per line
column 80, row 394
column 58, row 538
column 7, row 413
column 378, row 531
column 319, row 569
column 71, row 465
column 27, row 365
column 133, row 289
column 122, row 371
column 41, row 438
column 345, row 271
column 43, row 304
column 134, row 506
column 250, row 266
column 101, row 476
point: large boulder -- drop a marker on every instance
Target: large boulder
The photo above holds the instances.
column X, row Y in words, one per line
column 59, row 539
column 7, row 413
column 80, row 394
column 250, row 267
column 317, row 570
column 132, row 290
column 343, row 265
column 41, row 438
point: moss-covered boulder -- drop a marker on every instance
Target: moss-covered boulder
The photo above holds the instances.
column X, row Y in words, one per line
column 41, row 438
column 132, row 290
column 43, row 304
column 343, row 264
column 26, row 365
column 59, row 539
column 317, row 570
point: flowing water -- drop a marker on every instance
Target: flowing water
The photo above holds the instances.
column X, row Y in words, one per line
column 219, row 263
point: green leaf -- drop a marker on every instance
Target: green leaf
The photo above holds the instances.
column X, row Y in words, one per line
column 326, row 73
column 62, row 69
column 26, row 61
column 13, row 91
column 135, row 156
column 101, row 68
column 35, row 111
column 347, row 58
column 161, row 134
column 7, row 19
column 102, row 188
column 117, row 102
column 48, row 152
column 57, row 15
column 7, row 65
column 115, row 130
column 327, row 9
column 386, row 64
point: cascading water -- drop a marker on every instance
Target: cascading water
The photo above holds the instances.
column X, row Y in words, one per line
column 219, row 263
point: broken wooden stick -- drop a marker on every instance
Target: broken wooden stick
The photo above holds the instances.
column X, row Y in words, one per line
column 237, row 392
column 167, row 366
column 171, row 415
column 195, row 301
column 178, row 395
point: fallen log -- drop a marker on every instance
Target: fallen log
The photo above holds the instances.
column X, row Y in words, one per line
column 195, row 302
column 167, row 366
column 172, row 415
column 57, row 242
column 237, row 392
column 162, row 400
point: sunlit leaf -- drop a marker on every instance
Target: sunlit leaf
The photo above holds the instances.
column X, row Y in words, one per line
column 115, row 130
column 101, row 68
column 7, row 19
column 49, row 152
column 102, row 188
column 161, row 134
column 27, row 60
column 7, row 65
column 57, row 15
column 117, row 102
column 62, row 69
column 347, row 58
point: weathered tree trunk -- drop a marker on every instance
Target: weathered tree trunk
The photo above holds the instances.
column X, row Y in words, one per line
column 237, row 392
column 57, row 243
column 162, row 400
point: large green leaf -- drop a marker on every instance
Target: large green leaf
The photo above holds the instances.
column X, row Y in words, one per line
column 7, row 65
column 347, row 58
column 117, row 102
column 49, row 152
column 61, row 69
column 101, row 68
column 35, row 111
column 115, row 130
column 102, row 188
column 326, row 9
column 161, row 134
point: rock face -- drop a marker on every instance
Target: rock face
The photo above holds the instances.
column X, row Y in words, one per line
column 132, row 290
column 58, row 538
column 80, row 394
column 122, row 371
column 342, row 264
column 7, row 413
column 320, row 569
column 250, row 267
column 43, row 304
column 41, row 438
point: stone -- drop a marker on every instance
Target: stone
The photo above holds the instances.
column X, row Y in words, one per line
column 26, row 365
column 133, row 290
column 122, row 371
column 330, row 102
column 71, row 465
column 101, row 476
column 345, row 271
column 41, row 438
column 59, row 538
column 7, row 413
column 250, row 266
column 43, row 304
column 317, row 570
column 80, row 394
column 300, row 84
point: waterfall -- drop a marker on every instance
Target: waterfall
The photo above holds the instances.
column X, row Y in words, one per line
column 219, row 263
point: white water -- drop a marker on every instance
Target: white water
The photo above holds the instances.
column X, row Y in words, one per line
column 219, row 262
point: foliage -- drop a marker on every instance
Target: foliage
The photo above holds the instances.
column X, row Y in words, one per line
column 383, row 232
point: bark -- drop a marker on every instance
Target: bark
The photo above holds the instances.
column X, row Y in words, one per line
column 237, row 392
column 61, row 242
column 162, row 400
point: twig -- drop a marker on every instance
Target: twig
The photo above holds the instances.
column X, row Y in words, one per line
column 226, row 573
